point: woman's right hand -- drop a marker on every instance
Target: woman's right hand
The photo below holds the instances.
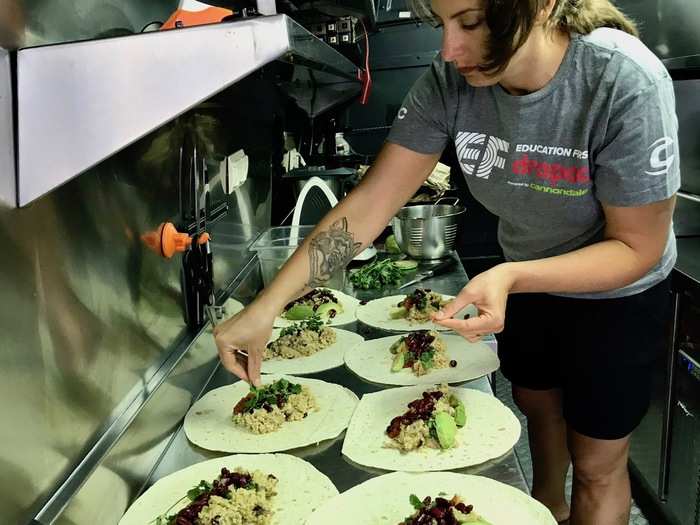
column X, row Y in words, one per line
column 249, row 331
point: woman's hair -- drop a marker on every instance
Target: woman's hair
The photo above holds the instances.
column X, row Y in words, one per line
column 511, row 21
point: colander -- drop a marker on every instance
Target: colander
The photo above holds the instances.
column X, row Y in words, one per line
column 428, row 231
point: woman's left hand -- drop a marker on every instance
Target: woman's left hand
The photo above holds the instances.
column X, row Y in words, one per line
column 488, row 292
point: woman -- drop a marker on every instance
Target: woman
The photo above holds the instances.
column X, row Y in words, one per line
column 566, row 130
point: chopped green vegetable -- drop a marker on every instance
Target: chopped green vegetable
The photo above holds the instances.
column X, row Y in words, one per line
column 399, row 362
column 446, row 430
column 460, row 415
column 200, row 489
column 391, row 245
column 398, row 313
column 417, row 503
column 314, row 323
column 269, row 394
column 377, row 274
column 299, row 312
column 427, row 359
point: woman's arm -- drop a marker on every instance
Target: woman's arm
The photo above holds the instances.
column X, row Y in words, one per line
column 635, row 239
column 353, row 224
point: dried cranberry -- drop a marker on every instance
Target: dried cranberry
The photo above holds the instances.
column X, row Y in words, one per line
column 453, row 363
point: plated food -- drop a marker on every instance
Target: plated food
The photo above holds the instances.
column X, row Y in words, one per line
column 420, row 352
column 267, row 408
column 431, row 421
column 286, row 413
column 377, row 360
column 442, row 511
column 307, row 347
column 405, row 313
column 244, row 489
column 490, row 429
column 333, row 307
column 386, row 500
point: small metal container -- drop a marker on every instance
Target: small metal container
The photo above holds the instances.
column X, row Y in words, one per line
column 427, row 231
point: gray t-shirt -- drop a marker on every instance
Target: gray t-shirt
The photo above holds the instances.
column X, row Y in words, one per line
column 603, row 130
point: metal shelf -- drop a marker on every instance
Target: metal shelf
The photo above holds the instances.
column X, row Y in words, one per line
column 80, row 103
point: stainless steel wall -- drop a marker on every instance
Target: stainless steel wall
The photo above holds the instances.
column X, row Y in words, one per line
column 87, row 314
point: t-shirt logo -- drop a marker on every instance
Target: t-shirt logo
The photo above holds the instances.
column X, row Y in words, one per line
column 662, row 156
column 478, row 154
column 402, row 113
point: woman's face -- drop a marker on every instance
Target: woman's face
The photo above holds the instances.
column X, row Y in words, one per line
column 465, row 36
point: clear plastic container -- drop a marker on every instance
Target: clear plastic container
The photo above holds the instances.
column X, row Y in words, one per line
column 275, row 245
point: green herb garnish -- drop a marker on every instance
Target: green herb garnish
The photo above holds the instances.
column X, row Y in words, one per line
column 416, row 502
column 313, row 323
column 200, row 489
column 426, row 358
column 377, row 274
column 270, row 394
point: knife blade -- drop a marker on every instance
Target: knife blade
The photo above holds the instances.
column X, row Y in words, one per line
column 430, row 272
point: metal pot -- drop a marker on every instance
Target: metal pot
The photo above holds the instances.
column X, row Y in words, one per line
column 427, row 231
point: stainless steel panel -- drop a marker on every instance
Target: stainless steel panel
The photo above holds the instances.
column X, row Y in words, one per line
column 89, row 317
column 79, row 103
column 8, row 192
column 688, row 108
column 684, row 485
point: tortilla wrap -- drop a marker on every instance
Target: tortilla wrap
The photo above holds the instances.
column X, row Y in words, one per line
column 325, row 359
column 376, row 314
column 301, row 488
column 347, row 316
column 491, row 431
column 385, row 500
column 372, row 360
column 208, row 423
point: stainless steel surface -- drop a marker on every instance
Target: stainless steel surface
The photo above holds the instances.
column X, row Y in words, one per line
column 684, row 484
column 69, row 94
column 89, row 316
column 327, row 456
column 8, row 191
column 688, row 196
column 687, row 94
column 688, row 263
column 427, row 231
column 434, row 270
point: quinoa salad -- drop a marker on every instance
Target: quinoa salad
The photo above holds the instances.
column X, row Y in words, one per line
column 420, row 351
column 319, row 301
column 233, row 498
column 441, row 511
column 267, row 408
column 301, row 340
column 431, row 421
column 419, row 306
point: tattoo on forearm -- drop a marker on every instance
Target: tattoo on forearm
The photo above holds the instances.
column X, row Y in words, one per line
column 330, row 251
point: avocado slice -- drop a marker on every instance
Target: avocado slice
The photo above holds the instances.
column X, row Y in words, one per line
column 446, row 430
column 299, row 312
column 398, row 313
column 399, row 362
column 327, row 307
column 460, row 415
column 397, row 344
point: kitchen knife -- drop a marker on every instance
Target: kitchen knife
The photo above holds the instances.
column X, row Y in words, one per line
column 430, row 272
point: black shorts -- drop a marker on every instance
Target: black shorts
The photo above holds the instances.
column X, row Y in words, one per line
column 600, row 352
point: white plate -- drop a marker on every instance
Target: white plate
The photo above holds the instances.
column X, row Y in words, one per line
column 209, row 425
column 347, row 316
column 301, row 488
column 325, row 359
column 372, row 361
column 491, row 430
column 376, row 314
column 385, row 500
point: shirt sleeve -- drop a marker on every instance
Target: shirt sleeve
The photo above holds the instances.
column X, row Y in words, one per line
column 421, row 123
column 639, row 163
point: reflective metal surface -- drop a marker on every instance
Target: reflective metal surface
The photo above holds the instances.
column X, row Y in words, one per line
column 327, row 456
column 91, row 320
column 8, row 195
column 79, row 103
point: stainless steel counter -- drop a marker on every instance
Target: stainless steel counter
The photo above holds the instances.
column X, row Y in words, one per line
column 327, row 456
column 688, row 263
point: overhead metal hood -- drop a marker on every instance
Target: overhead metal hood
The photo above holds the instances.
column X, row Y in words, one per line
column 80, row 103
